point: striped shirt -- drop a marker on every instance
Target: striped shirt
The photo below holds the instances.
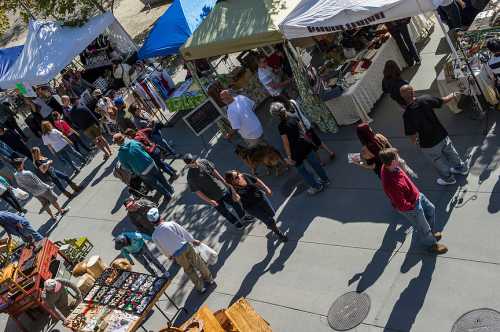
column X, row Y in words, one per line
column 494, row 66
column 31, row 183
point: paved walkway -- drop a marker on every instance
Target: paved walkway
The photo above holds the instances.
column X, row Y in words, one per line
column 346, row 238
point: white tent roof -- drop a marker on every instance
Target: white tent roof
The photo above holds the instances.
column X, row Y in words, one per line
column 315, row 17
column 49, row 48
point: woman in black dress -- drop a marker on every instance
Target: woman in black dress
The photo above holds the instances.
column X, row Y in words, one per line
column 252, row 193
column 392, row 82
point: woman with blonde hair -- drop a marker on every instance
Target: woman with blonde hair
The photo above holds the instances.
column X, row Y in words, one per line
column 60, row 145
column 47, row 172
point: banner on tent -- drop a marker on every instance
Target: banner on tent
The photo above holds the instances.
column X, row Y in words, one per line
column 316, row 17
column 374, row 19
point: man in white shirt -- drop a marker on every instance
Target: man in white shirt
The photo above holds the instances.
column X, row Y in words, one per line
column 175, row 242
column 243, row 119
column 269, row 79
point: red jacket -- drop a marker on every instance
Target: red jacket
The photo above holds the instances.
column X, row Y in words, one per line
column 400, row 189
column 142, row 136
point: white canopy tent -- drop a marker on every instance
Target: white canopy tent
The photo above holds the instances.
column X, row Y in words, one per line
column 50, row 47
column 315, row 17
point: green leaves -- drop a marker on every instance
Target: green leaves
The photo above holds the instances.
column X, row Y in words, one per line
column 70, row 12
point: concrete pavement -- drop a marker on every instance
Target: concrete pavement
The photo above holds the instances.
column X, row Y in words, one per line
column 346, row 238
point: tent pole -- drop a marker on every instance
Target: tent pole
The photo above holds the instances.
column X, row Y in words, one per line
column 459, row 61
column 448, row 39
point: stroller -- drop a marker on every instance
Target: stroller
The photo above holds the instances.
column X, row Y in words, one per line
column 135, row 185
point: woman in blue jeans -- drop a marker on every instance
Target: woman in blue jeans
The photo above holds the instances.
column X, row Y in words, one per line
column 48, row 172
column 61, row 146
column 299, row 148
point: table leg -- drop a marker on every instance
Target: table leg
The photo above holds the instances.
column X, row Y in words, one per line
column 174, row 304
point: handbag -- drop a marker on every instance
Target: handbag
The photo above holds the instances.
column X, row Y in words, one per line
column 209, row 255
column 20, row 194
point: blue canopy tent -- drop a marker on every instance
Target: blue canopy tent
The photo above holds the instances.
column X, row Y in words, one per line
column 174, row 27
column 7, row 58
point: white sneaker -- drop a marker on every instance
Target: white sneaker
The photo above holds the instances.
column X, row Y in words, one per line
column 456, row 171
column 443, row 182
column 314, row 191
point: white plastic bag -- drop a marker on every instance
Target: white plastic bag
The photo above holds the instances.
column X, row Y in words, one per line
column 207, row 254
column 20, row 194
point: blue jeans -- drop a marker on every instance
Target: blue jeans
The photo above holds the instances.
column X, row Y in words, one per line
column 65, row 155
column 315, row 164
column 157, row 181
column 423, row 220
column 222, row 208
column 56, row 176
column 164, row 166
column 157, row 138
column 27, row 232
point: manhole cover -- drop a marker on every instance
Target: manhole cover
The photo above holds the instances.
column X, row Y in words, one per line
column 348, row 311
column 484, row 320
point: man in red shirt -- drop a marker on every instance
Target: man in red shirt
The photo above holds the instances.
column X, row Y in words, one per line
column 409, row 201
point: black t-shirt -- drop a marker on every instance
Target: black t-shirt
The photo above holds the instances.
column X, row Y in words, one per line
column 251, row 193
column 392, row 88
column 82, row 117
column 202, row 178
column 299, row 147
column 419, row 118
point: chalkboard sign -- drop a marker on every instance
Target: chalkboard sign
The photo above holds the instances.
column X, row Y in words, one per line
column 203, row 116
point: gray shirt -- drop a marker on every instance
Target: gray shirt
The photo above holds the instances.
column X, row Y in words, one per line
column 61, row 301
column 31, row 183
column 203, row 179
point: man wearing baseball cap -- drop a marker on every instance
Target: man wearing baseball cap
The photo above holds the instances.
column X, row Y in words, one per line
column 134, row 243
column 175, row 242
column 57, row 297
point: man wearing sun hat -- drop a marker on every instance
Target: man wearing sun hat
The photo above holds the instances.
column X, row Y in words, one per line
column 175, row 242
column 57, row 297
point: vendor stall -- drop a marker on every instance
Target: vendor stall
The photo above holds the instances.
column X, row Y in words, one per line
column 21, row 283
column 180, row 20
column 353, row 82
column 50, row 47
column 119, row 300
column 353, row 93
column 251, row 27
column 455, row 76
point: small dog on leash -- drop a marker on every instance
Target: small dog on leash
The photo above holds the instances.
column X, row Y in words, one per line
column 262, row 155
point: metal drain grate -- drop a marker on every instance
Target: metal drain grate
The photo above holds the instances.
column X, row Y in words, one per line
column 348, row 311
column 484, row 320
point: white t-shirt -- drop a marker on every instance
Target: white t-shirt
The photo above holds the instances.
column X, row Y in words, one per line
column 242, row 117
column 266, row 77
column 55, row 139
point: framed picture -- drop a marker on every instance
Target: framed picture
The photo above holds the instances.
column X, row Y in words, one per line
column 203, row 116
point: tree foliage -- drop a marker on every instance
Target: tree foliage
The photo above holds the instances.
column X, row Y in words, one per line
column 70, row 12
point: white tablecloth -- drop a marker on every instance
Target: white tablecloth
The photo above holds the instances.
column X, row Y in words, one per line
column 357, row 102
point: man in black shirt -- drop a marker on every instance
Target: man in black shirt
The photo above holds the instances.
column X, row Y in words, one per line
column 424, row 128
column 299, row 148
column 205, row 181
column 85, row 120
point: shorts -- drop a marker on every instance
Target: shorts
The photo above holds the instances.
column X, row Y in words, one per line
column 93, row 132
column 47, row 198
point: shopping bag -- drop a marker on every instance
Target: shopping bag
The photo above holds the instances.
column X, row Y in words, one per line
column 207, row 254
column 20, row 194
